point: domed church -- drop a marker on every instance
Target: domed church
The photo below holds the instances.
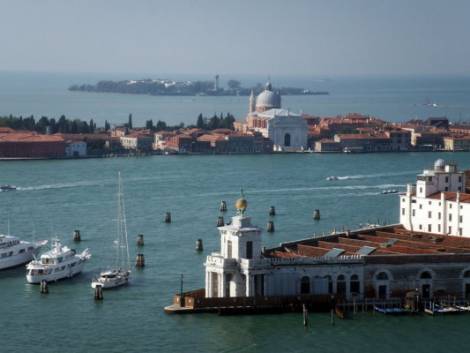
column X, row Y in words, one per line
column 287, row 130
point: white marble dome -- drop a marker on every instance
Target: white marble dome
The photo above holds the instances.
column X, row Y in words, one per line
column 268, row 99
column 439, row 164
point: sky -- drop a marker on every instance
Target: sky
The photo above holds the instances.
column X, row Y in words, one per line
column 262, row 37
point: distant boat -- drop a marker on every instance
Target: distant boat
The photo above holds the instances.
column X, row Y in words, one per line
column 331, row 178
column 119, row 274
column 7, row 187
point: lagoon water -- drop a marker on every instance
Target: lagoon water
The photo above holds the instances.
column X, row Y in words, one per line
column 56, row 197
column 390, row 98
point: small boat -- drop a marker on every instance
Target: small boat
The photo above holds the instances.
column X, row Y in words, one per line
column 331, row 178
column 7, row 187
column 392, row 311
column 15, row 252
column 436, row 309
column 58, row 263
column 119, row 274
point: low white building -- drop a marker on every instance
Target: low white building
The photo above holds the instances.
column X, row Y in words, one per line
column 76, row 149
column 438, row 202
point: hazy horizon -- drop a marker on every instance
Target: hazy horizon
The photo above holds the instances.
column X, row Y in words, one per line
column 262, row 38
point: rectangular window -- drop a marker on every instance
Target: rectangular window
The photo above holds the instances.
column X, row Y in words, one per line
column 450, row 205
column 429, row 203
column 420, row 227
column 450, row 230
column 447, row 179
column 446, row 189
column 460, row 231
column 439, row 215
column 450, row 217
column 414, row 213
column 439, row 228
column 429, row 214
column 460, row 219
column 229, row 249
column 403, row 211
column 420, row 206
column 249, row 249
column 460, row 179
column 429, row 228
column 420, row 190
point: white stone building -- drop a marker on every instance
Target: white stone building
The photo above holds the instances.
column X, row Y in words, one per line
column 438, row 202
column 287, row 130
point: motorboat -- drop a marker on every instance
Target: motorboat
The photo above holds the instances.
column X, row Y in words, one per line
column 15, row 252
column 119, row 274
column 58, row 263
column 332, row 177
column 7, row 187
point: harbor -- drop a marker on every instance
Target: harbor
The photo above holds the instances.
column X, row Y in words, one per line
column 182, row 186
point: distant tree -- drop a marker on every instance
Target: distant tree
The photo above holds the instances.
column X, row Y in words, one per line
column 161, row 125
column 106, row 125
column 129, row 123
column 200, row 124
column 149, row 125
column 234, row 84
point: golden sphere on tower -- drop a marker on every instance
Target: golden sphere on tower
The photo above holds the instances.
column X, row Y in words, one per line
column 241, row 204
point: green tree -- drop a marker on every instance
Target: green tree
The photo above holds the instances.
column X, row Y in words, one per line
column 129, row 123
column 200, row 124
column 106, row 125
column 233, row 84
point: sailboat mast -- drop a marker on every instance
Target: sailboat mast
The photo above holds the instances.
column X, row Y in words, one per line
column 122, row 229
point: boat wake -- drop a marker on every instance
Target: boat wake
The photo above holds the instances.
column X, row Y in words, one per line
column 379, row 187
column 59, row 186
column 369, row 176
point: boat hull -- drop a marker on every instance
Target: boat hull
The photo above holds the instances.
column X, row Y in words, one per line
column 106, row 283
column 16, row 260
column 56, row 276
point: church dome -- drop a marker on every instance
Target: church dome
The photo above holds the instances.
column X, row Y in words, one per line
column 439, row 164
column 268, row 99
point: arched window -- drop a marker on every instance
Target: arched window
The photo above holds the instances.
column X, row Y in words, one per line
column 425, row 275
column 341, row 286
column 287, row 140
column 355, row 284
column 330, row 284
column 382, row 276
column 305, row 285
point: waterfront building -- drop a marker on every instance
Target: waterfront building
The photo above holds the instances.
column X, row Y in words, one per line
column 31, row 145
column 75, row 148
column 287, row 130
column 382, row 263
column 137, row 141
column 438, row 202
column 457, row 143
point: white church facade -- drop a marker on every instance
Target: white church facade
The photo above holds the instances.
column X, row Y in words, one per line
column 287, row 130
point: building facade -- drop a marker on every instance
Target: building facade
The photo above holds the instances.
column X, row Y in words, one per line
column 437, row 203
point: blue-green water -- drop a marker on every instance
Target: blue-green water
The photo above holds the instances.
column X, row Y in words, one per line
column 56, row 197
column 393, row 99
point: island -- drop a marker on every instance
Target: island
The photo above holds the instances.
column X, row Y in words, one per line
column 168, row 87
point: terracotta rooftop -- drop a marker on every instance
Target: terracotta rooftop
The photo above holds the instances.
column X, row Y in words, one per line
column 29, row 137
column 391, row 240
column 451, row 196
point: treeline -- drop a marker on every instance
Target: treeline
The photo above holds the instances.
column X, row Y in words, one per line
column 215, row 122
column 48, row 125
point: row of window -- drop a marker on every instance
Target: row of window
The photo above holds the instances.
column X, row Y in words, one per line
column 10, row 253
column 439, row 214
column 430, row 229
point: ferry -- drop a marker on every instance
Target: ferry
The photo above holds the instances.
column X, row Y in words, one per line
column 15, row 252
column 58, row 263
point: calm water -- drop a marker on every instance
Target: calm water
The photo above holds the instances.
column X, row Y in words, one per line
column 394, row 99
column 55, row 197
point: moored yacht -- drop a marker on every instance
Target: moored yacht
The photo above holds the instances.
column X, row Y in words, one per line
column 15, row 252
column 58, row 263
column 119, row 274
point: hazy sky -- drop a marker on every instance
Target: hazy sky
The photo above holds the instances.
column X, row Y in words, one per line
column 273, row 37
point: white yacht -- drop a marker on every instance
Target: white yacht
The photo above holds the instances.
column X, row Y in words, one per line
column 15, row 252
column 58, row 263
column 119, row 274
